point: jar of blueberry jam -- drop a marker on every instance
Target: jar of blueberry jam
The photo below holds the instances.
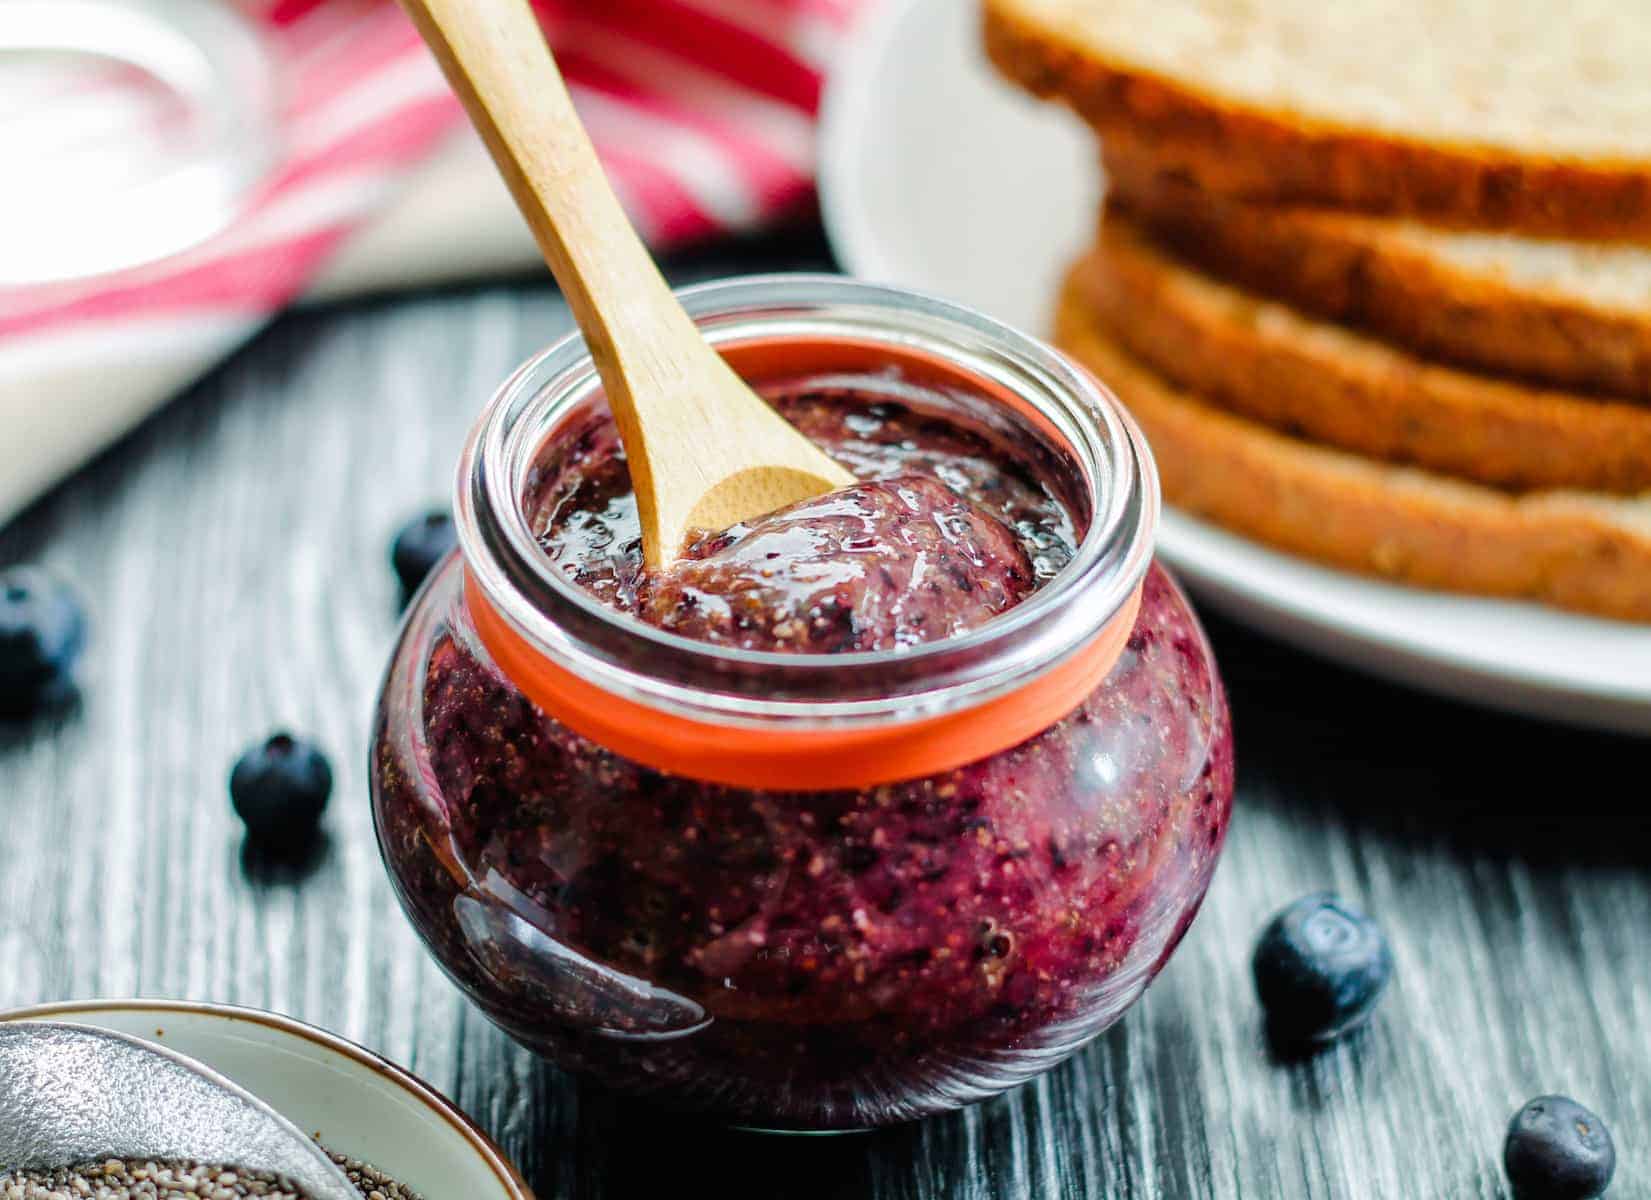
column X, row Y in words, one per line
column 864, row 810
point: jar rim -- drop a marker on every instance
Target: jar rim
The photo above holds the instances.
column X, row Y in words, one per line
column 623, row 656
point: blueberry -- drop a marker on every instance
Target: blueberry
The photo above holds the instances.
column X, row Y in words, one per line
column 1320, row 966
column 280, row 790
column 422, row 543
column 42, row 632
column 1558, row 1150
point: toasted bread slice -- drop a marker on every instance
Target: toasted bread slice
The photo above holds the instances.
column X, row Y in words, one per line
column 1571, row 314
column 1266, row 362
column 1500, row 114
column 1576, row 550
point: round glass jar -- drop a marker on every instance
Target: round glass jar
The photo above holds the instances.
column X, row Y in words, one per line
column 711, row 878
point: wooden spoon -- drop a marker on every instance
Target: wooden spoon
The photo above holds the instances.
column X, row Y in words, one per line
column 705, row 450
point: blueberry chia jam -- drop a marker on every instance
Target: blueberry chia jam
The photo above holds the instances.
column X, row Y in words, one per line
column 899, row 559
column 601, row 794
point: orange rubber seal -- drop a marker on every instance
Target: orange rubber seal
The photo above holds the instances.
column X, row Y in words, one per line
column 822, row 758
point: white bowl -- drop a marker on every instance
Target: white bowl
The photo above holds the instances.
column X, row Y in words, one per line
column 354, row 1102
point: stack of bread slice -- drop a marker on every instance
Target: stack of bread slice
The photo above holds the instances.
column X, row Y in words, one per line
column 1375, row 276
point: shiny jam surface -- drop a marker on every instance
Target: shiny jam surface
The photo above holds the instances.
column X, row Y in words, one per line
column 809, row 960
column 944, row 532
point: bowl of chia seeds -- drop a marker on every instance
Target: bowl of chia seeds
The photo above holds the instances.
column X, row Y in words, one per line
column 394, row 1136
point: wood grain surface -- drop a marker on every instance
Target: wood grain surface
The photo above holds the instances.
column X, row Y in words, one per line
column 233, row 555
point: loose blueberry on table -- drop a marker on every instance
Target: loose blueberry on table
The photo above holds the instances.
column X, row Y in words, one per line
column 1320, row 965
column 1558, row 1150
column 42, row 634
column 419, row 546
column 807, row 959
column 280, row 789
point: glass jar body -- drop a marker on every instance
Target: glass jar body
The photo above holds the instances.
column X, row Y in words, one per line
column 801, row 960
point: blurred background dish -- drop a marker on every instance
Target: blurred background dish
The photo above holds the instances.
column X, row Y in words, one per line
column 132, row 131
column 936, row 174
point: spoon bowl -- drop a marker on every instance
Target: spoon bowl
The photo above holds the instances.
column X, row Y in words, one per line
column 73, row 1094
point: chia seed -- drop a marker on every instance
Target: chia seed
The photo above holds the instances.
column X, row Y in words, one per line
column 117, row 1179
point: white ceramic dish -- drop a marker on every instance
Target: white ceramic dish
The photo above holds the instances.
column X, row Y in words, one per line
column 356, row 1103
column 937, row 176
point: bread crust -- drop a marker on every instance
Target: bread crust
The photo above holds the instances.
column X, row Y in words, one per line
column 1567, row 549
column 1356, row 270
column 1251, row 152
column 1266, row 362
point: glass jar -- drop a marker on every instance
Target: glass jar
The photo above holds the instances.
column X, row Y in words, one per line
column 808, row 891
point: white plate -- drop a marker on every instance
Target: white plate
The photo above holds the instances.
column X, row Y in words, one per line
column 353, row 1101
column 937, row 176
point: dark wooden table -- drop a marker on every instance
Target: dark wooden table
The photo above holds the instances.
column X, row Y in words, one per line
column 233, row 556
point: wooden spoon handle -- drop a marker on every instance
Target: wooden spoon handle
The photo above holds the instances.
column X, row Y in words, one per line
column 704, row 451
column 494, row 55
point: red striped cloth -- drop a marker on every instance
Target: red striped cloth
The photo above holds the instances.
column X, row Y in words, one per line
column 702, row 111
